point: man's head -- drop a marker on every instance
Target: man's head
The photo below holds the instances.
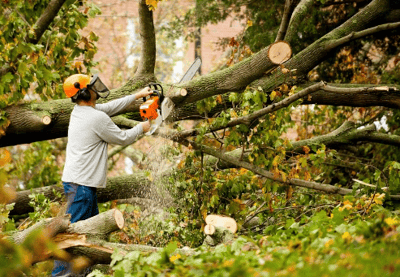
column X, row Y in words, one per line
column 80, row 87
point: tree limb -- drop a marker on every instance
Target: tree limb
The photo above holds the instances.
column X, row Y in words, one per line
column 287, row 12
column 348, row 134
column 298, row 15
column 136, row 185
column 352, row 95
column 148, row 41
column 250, row 118
column 311, row 56
column 267, row 174
column 45, row 19
column 363, row 33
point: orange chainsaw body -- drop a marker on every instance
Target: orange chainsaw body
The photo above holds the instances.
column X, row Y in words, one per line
column 149, row 108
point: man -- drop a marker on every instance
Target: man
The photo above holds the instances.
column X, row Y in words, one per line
column 90, row 131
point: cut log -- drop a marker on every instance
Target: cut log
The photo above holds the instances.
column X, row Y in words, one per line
column 79, row 238
column 222, row 221
column 279, row 52
column 99, row 226
column 46, row 120
column 183, row 92
column 217, row 235
column 209, row 229
column 52, row 226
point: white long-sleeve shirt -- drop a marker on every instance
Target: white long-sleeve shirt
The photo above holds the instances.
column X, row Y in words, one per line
column 89, row 133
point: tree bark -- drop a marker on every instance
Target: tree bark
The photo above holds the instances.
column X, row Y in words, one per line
column 52, row 226
column 148, row 41
column 79, row 238
column 287, row 12
column 46, row 18
column 137, row 185
column 314, row 54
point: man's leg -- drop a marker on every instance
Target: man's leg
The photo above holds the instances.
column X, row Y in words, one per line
column 81, row 205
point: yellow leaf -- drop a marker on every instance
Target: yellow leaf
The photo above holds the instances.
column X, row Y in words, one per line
column 283, row 174
column 306, row 149
column 379, row 198
column 391, row 221
column 174, row 258
column 243, row 171
column 249, row 23
column 5, row 157
column 307, row 176
column 275, row 161
column 152, row 4
column 203, row 212
column 346, row 236
column 228, row 263
column 329, row 243
column 272, row 95
column 219, row 98
column 237, row 201
column 233, row 114
column 347, row 205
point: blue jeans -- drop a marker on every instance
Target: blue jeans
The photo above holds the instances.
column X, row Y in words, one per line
column 81, row 205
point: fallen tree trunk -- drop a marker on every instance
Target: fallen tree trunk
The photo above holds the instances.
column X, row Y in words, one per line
column 52, row 226
column 136, row 185
column 84, row 237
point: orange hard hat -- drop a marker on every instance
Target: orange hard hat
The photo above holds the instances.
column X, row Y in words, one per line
column 74, row 83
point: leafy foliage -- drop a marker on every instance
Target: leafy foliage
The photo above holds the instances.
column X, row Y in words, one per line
column 35, row 66
column 339, row 239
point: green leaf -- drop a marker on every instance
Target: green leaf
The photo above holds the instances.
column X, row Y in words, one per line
column 7, row 78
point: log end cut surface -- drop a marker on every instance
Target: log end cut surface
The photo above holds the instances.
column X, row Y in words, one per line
column 119, row 218
column 279, row 52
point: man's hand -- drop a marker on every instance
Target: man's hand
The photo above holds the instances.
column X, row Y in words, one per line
column 143, row 93
column 145, row 126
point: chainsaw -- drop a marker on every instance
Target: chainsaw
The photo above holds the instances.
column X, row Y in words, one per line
column 156, row 108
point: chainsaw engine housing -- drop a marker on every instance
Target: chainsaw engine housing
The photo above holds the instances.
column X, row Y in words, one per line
column 148, row 110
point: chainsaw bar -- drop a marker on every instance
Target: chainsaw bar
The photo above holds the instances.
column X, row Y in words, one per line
column 167, row 105
column 191, row 71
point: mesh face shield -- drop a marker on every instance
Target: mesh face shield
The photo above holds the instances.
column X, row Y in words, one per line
column 97, row 86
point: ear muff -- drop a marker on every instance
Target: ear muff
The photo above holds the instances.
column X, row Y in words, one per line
column 84, row 94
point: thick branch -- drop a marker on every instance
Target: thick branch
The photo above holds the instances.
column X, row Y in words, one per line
column 299, row 13
column 287, row 12
column 27, row 122
column 137, row 185
column 352, row 95
column 45, row 20
column 234, row 78
column 148, row 40
column 258, row 114
column 363, row 33
column 52, row 226
column 348, row 134
column 311, row 56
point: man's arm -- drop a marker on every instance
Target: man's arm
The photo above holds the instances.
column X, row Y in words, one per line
column 111, row 133
column 114, row 107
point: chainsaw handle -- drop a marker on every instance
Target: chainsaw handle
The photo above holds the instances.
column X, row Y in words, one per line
column 157, row 91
